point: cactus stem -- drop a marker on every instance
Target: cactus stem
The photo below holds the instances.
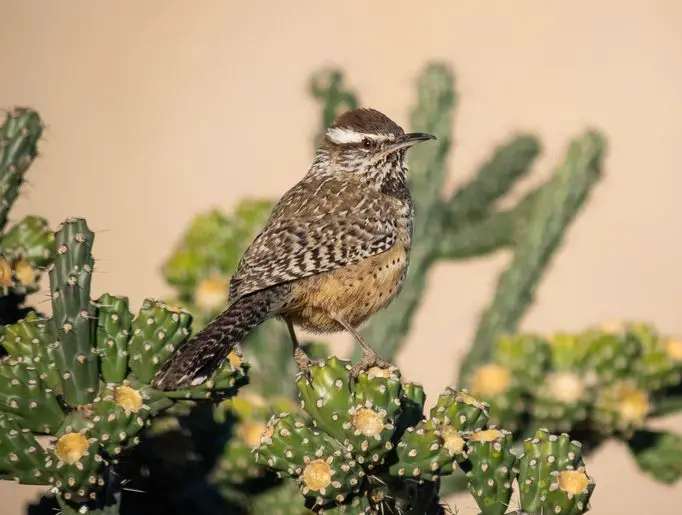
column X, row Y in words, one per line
column 491, row 379
column 71, row 448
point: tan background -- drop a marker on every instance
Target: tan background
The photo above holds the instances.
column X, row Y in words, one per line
column 160, row 110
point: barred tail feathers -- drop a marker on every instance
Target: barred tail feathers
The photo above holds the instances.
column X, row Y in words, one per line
column 195, row 362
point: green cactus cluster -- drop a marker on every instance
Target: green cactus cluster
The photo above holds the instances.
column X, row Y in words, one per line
column 26, row 247
column 603, row 381
column 371, row 449
column 79, row 381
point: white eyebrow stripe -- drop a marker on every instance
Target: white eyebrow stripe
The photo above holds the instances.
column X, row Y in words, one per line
column 343, row 135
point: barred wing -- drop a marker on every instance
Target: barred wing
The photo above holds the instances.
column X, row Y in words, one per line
column 299, row 248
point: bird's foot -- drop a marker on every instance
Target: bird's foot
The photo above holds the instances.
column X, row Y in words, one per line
column 369, row 360
column 303, row 362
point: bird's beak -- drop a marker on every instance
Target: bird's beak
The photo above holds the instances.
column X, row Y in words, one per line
column 409, row 139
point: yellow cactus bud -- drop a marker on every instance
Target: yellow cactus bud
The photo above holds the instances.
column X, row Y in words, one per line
column 368, row 421
column 490, row 379
column 487, row 435
column 71, row 447
column 250, row 432
column 128, row 398
column 6, row 279
column 573, row 482
column 211, row 293
column 24, row 272
column 317, row 475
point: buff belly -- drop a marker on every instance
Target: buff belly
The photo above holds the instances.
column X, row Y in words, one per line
column 352, row 293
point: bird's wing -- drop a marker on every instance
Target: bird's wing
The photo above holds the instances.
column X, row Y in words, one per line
column 314, row 235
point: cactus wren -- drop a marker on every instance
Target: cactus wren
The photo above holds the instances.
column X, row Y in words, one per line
column 334, row 251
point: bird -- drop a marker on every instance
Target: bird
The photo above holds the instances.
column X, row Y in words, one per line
column 334, row 251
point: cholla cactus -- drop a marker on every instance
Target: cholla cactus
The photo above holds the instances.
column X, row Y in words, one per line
column 371, row 449
column 601, row 382
column 25, row 248
column 81, row 378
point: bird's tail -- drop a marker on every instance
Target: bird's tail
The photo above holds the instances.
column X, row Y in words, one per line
column 195, row 361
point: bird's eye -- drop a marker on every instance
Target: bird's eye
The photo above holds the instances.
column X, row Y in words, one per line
column 367, row 143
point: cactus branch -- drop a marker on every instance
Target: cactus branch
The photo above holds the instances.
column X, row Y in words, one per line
column 556, row 207
column 510, row 162
column 19, row 137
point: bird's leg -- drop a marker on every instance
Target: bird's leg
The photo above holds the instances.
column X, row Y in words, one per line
column 369, row 359
column 301, row 358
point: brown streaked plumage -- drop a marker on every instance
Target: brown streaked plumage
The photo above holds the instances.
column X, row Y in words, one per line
column 334, row 251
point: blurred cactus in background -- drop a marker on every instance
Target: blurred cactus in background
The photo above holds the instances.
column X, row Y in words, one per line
column 598, row 383
column 26, row 247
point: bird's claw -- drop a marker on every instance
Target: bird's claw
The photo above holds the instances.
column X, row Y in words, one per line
column 303, row 363
column 367, row 361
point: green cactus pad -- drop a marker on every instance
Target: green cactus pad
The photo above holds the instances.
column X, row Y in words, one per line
column 498, row 386
column 281, row 499
column 526, row 356
column 113, row 330
column 610, row 355
column 324, row 470
column 364, row 421
column 493, row 469
column 562, row 400
column 422, row 453
column 76, row 466
column 21, row 456
column 621, row 407
column 31, row 341
column 658, row 454
column 26, row 398
column 356, row 505
column 412, row 400
column 31, row 239
column 247, row 416
column 156, row 332
column 118, row 418
column 19, row 136
column 72, row 312
column 660, row 364
column 552, row 476
column 460, row 410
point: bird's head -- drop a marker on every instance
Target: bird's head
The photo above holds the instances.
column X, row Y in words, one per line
column 368, row 143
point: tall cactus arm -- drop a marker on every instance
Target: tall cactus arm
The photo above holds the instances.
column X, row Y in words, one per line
column 19, row 136
column 557, row 205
